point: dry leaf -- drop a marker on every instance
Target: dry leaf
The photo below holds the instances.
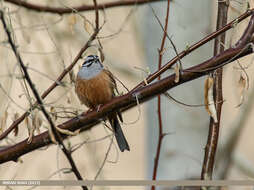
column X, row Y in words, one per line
column 36, row 120
column 3, row 120
column 68, row 99
column 72, row 20
column 177, row 72
column 16, row 130
column 242, row 87
column 53, row 112
column 88, row 27
column 15, row 116
column 31, row 129
column 209, row 101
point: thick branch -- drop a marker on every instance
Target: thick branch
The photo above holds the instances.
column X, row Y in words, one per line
column 60, row 10
column 87, row 121
column 213, row 135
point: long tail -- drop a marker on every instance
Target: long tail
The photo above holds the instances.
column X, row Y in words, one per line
column 120, row 138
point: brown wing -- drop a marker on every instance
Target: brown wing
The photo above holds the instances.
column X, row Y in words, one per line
column 113, row 81
column 114, row 86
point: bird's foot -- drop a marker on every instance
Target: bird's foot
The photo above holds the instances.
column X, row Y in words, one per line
column 89, row 110
column 98, row 107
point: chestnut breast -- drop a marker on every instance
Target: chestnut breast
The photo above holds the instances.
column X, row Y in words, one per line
column 95, row 91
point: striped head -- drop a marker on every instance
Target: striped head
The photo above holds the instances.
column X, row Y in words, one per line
column 90, row 68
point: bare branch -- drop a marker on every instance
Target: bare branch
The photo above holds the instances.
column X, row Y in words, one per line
column 160, row 126
column 214, row 126
column 61, row 11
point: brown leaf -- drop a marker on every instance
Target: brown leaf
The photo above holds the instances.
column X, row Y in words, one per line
column 16, row 130
column 31, row 129
column 72, row 20
column 88, row 27
column 3, row 120
column 53, row 112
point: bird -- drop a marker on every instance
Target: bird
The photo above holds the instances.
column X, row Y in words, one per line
column 94, row 87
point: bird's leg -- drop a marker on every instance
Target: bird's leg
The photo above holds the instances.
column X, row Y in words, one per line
column 84, row 113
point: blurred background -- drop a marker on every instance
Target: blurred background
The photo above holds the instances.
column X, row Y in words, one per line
column 130, row 37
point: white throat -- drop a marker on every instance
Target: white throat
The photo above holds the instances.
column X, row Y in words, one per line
column 90, row 72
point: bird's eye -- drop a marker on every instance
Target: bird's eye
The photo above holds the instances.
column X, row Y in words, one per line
column 89, row 64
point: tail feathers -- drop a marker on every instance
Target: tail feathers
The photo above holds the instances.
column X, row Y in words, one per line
column 120, row 138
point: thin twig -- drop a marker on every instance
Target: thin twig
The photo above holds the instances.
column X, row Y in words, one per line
column 160, row 126
column 169, row 38
column 96, row 15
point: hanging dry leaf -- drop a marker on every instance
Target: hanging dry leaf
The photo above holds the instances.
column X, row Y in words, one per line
column 31, row 129
column 88, row 27
column 72, row 20
column 242, row 88
column 53, row 112
column 36, row 120
column 209, row 101
column 15, row 117
column 3, row 120
column 68, row 99
column 39, row 122
column 177, row 72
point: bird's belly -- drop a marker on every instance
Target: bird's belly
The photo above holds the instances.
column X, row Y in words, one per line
column 95, row 91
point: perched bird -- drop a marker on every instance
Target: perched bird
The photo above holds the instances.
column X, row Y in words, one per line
column 94, row 87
